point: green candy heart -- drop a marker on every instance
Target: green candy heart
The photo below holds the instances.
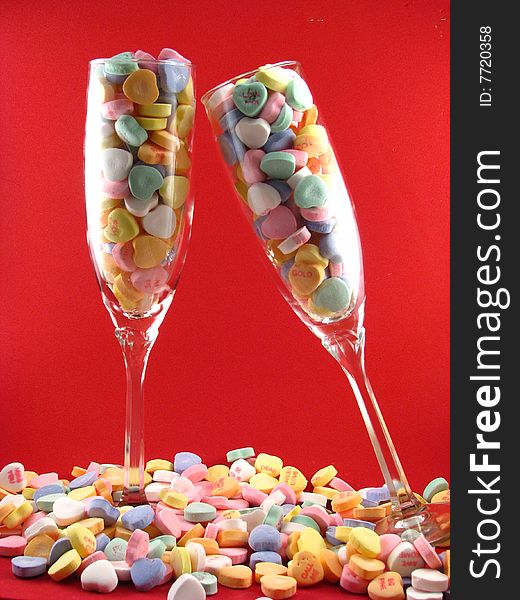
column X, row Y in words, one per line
column 129, row 130
column 278, row 165
column 310, row 192
column 121, row 64
column 283, row 120
column 332, row 295
column 144, row 181
column 298, row 94
column 250, row 98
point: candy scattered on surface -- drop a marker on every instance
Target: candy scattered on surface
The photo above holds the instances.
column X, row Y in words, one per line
column 138, row 161
column 252, row 522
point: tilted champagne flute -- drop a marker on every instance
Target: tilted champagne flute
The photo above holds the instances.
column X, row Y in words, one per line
column 139, row 210
column 285, row 173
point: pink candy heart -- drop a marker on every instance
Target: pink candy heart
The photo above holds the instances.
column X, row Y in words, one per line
column 279, row 224
column 149, row 281
column 251, row 166
column 123, row 255
column 272, row 107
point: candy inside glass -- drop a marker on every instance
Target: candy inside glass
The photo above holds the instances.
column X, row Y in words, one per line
column 139, row 209
column 286, row 176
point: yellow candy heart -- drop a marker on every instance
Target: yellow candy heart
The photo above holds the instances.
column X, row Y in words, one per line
column 149, row 251
column 66, row 564
column 265, row 463
column 82, row 539
column 183, row 120
column 294, row 478
column 310, row 254
column 306, row 278
column 174, row 190
column 122, row 226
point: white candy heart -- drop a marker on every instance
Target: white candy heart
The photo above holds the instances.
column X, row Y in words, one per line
column 182, row 485
column 253, row 519
column 430, row 580
column 262, row 198
column 140, row 208
column 99, row 576
column 153, row 490
column 160, row 222
column 12, row 477
column 67, row 511
column 404, row 559
column 215, row 562
column 413, row 594
column 116, row 163
column 197, row 556
column 163, row 476
column 45, row 525
column 241, row 470
column 15, row 499
column 253, row 132
column 107, row 129
column 232, row 524
column 122, row 570
column 187, row 588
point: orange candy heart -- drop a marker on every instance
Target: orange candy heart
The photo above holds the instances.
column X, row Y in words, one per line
column 306, row 568
column 141, row 87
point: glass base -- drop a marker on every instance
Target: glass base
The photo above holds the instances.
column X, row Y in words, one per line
column 432, row 520
column 133, row 497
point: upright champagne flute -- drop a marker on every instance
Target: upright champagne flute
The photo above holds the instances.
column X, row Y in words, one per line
column 284, row 170
column 139, row 209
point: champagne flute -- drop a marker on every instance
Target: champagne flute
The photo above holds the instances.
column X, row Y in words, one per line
column 284, row 171
column 139, row 209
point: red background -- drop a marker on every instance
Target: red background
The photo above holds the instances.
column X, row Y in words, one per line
column 232, row 366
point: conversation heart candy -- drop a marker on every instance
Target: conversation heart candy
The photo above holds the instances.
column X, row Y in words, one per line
column 116, row 164
column 279, row 141
column 250, row 98
column 149, row 251
column 122, row 226
column 174, row 75
column 141, row 87
column 429, row 580
column 253, row 133
column 306, row 568
column 129, row 130
column 12, row 478
column 140, row 208
column 310, row 192
column 305, row 278
column 298, row 94
column 160, row 222
column 149, row 281
column 262, row 198
column 28, row 566
column 99, row 576
column 387, row 586
column 278, row 165
column 332, row 295
column 143, row 181
column 279, row 224
column 187, row 587
column 404, row 559
column 147, row 573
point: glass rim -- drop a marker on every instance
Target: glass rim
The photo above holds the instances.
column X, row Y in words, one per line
column 155, row 61
column 284, row 63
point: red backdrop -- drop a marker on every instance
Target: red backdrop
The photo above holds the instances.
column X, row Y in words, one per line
column 233, row 366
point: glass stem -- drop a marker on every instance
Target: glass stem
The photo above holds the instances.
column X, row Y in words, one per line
column 349, row 352
column 136, row 345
